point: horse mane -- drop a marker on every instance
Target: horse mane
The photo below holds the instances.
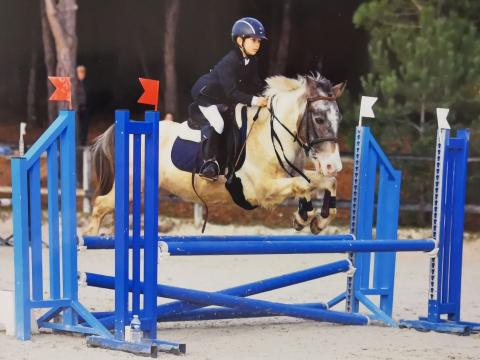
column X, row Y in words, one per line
column 279, row 84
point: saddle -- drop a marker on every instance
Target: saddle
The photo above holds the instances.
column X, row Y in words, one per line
column 186, row 150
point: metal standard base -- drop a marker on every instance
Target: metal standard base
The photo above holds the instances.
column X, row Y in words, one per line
column 444, row 326
column 376, row 312
column 91, row 325
column 146, row 347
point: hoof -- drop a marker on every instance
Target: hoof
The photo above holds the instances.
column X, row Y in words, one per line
column 316, row 226
column 297, row 226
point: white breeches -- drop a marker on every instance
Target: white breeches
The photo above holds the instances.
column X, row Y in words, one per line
column 213, row 116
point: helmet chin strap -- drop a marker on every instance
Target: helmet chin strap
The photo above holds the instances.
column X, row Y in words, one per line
column 244, row 52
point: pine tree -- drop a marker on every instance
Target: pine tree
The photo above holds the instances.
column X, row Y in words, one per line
column 423, row 54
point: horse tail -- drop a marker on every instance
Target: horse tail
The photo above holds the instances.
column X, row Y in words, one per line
column 103, row 161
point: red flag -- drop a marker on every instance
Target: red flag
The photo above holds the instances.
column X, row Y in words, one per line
column 150, row 94
column 63, row 89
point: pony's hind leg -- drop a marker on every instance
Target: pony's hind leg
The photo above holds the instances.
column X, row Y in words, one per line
column 102, row 206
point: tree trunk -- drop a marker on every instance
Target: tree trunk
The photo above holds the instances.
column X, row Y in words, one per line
column 141, row 52
column 422, row 118
column 142, row 58
column 50, row 60
column 278, row 64
column 62, row 18
column 170, row 88
column 31, row 87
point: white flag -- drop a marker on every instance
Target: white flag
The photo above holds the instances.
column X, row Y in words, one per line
column 21, row 144
column 366, row 108
column 23, row 127
column 442, row 118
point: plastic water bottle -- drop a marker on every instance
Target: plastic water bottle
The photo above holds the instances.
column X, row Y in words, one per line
column 136, row 330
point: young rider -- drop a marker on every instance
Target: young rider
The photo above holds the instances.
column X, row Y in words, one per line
column 234, row 79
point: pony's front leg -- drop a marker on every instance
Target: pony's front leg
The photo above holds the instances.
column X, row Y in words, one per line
column 329, row 210
column 276, row 191
column 305, row 213
column 102, row 206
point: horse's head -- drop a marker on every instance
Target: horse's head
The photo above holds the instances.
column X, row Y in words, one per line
column 318, row 127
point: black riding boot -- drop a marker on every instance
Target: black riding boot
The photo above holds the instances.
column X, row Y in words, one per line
column 210, row 168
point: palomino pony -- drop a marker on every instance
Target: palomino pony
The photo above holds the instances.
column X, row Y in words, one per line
column 303, row 115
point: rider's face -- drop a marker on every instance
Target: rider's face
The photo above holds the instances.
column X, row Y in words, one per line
column 250, row 45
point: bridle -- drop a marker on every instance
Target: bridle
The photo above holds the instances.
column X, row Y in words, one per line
column 305, row 144
column 308, row 117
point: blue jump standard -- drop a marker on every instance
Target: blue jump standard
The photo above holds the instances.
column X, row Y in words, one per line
column 165, row 311
column 371, row 168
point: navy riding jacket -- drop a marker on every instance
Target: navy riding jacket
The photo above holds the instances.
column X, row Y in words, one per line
column 230, row 82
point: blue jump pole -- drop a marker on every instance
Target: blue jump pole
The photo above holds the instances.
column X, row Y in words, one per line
column 108, row 242
column 210, row 313
column 257, row 287
column 294, row 247
column 252, row 305
column 208, row 298
column 221, row 313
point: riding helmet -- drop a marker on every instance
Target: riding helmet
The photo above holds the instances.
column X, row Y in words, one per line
column 248, row 27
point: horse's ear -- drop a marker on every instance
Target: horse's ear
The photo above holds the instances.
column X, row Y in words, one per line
column 338, row 89
column 311, row 84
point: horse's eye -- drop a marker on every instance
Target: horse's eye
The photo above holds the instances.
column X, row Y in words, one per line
column 319, row 120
